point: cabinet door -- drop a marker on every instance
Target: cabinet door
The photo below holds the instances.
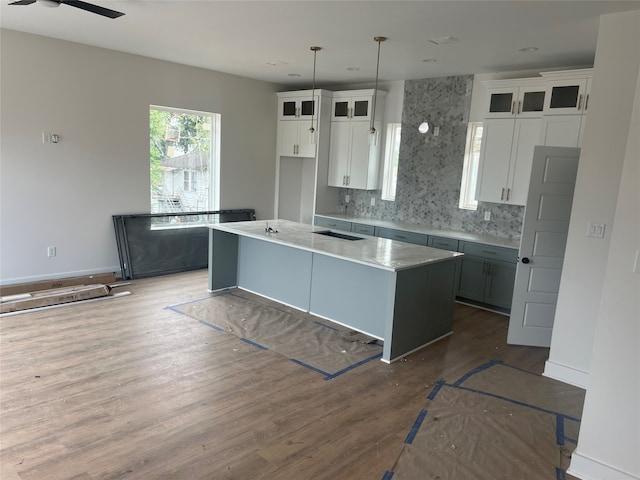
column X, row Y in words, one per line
column 502, row 102
column 363, row 172
column 472, row 278
column 339, row 151
column 566, row 97
column 530, row 101
column 526, row 136
column 500, row 281
column 351, row 108
column 306, row 147
column 288, row 139
column 561, row 130
column 495, row 154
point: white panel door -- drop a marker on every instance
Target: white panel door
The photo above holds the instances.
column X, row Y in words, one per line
column 542, row 245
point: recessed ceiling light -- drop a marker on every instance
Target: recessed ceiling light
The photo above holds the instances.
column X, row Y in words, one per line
column 528, row 49
column 443, row 40
column 353, row 69
column 294, row 75
column 429, row 60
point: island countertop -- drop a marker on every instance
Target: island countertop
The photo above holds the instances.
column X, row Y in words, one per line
column 373, row 251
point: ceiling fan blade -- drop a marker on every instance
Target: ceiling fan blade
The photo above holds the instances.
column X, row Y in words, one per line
column 23, row 2
column 89, row 7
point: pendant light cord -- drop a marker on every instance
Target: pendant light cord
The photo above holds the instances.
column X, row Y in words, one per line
column 375, row 90
column 313, row 87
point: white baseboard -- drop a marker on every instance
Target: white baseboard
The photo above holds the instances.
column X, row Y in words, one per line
column 54, row 276
column 587, row 468
column 565, row 374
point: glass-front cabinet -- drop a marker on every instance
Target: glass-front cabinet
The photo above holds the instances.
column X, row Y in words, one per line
column 296, row 108
column 568, row 91
column 522, row 101
column 345, row 108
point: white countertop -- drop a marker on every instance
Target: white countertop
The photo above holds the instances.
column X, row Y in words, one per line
column 414, row 227
column 373, row 251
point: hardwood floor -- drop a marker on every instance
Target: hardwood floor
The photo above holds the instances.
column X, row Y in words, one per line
column 125, row 388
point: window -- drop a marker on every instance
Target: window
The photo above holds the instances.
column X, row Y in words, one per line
column 183, row 151
column 470, row 168
column 391, row 155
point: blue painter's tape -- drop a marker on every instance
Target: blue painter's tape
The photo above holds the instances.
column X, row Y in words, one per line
column 416, row 426
column 436, row 389
column 261, row 347
column 211, row 325
column 326, row 326
column 351, row 367
column 310, row 367
column 510, row 400
column 560, row 430
column 387, row 476
column 560, row 474
column 476, row 370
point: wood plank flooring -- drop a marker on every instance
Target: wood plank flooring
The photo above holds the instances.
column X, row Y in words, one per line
column 126, row 389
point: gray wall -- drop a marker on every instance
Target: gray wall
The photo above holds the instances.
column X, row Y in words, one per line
column 98, row 101
column 430, row 168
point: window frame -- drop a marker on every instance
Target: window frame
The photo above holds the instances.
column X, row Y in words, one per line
column 213, row 174
column 471, row 167
column 391, row 161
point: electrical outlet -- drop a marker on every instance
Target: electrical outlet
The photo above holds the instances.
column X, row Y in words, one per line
column 347, row 198
column 487, row 215
column 51, row 251
column 373, row 201
column 46, row 137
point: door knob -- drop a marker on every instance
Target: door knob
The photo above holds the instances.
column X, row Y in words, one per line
column 525, row 260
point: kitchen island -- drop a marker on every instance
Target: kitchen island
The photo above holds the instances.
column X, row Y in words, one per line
column 400, row 293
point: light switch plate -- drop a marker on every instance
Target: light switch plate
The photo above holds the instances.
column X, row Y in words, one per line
column 595, row 230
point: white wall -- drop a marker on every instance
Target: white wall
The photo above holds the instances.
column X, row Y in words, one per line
column 97, row 100
column 609, row 440
column 599, row 173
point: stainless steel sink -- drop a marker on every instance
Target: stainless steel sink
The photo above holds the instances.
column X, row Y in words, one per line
column 343, row 236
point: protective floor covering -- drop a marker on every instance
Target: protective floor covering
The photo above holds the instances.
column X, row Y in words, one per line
column 496, row 422
column 305, row 339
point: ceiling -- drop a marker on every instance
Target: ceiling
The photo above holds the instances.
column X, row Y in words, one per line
column 271, row 40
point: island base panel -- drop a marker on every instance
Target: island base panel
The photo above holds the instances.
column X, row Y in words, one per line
column 223, row 260
column 352, row 294
column 424, row 302
column 275, row 271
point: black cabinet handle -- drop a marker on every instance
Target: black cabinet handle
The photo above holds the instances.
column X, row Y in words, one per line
column 525, row 260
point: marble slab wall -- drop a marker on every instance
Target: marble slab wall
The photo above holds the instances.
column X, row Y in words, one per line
column 430, row 167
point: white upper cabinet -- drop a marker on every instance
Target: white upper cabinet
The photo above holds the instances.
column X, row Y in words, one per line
column 511, row 129
column 297, row 108
column 565, row 116
column 567, row 91
column 296, row 111
column 357, row 106
column 505, row 159
column 353, row 159
column 509, row 100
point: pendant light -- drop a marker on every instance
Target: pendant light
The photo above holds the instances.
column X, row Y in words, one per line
column 373, row 133
column 312, row 131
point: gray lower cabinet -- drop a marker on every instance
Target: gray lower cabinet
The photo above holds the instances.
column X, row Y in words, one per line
column 401, row 235
column 363, row 228
column 487, row 274
column 333, row 223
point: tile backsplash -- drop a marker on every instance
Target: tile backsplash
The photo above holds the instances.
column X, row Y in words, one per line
column 430, row 167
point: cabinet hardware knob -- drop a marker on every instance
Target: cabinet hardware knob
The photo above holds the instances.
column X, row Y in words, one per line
column 508, row 193
column 519, row 107
column 513, row 107
column 586, row 103
column 525, row 260
column 502, row 195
